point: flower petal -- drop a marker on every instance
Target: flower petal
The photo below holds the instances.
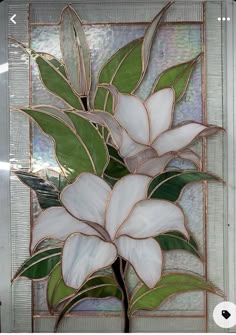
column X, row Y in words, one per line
column 57, row 223
column 160, row 107
column 86, row 198
column 132, row 115
column 181, row 136
column 150, row 218
column 191, row 156
column 128, row 146
column 83, row 255
column 126, row 193
column 154, row 166
column 134, row 161
column 144, row 255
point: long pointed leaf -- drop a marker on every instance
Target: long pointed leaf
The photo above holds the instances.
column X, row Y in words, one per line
column 170, row 284
column 96, row 146
column 126, row 68
column 57, row 290
column 177, row 77
column 72, row 154
column 47, row 194
column 53, row 177
column 53, row 79
column 40, row 264
column 150, row 34
column 55, row 112
column 172, row 187
column 123, row 70
column 97, row 287
column 75, row 51
column 177, row 241
column 55, row 62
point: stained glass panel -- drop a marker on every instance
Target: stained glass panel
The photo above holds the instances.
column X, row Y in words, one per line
column 118, row 170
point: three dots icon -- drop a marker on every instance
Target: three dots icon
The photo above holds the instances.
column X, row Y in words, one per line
column 223, row 18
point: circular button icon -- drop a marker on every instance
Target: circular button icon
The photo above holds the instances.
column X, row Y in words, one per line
column 224, row 314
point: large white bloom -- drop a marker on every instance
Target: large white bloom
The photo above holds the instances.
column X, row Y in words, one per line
column 142, row 131
column 98, row 224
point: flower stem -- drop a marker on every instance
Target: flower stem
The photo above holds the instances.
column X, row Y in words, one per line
column 117, row 268
column 85, row 102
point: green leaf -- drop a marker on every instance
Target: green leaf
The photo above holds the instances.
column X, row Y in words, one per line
column 56, row 179
column 48, row 243
column 72, row 153
column 40, row 264
column 126, row 68
column 177, row 241
column 110, row 180
column 172, row 186
column 55, row 62
column 169, row 285
column 95, row 145
column 96, row 287
column 75, row 51
column 55, row 112
column 177, row 77
column 47, row 194
column 57, row 290
column 123, row 70
column 53, row 79
column 116, row 168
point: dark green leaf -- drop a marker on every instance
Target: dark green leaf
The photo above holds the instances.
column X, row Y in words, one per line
column 172, row 187
column 175, row 241
column 93, row 141
column 40, row 264
column 116, row 168
column 176, row 77
column 47, row 194
column 71, row 151
column 169, row 285
column 96, row 287
column 56, row 179
column 57, row 290
column 111, row 181
column 160, row 178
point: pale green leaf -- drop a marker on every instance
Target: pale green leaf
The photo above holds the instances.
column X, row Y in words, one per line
column 75, row 51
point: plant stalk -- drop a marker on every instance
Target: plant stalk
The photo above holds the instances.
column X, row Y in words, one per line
column 85, row 103
column 117, row 268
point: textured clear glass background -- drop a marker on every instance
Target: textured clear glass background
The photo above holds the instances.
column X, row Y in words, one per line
column 174, row 43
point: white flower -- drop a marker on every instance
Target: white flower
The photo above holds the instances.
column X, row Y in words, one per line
column 99, row 224
column 142, row 132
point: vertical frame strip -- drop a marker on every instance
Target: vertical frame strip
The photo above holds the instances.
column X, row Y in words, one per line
column 215, row 156
column 19, row 151
column 5, row 260
column 204, row 151
column 230, row 104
